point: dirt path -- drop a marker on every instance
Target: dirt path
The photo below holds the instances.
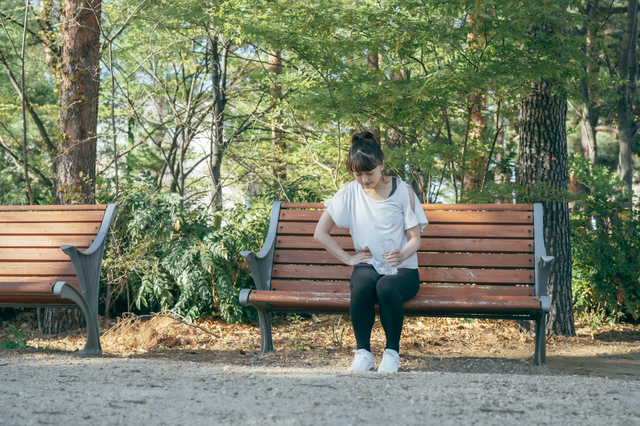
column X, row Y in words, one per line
column 452, row 372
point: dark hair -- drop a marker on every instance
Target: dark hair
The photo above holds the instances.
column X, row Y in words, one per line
column 365, row 153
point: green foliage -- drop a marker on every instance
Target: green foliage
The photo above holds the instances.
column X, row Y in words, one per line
column 166, row 252
column 605, row 246
column 19, row 342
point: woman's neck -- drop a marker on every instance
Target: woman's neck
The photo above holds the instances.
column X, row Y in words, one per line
column 382, row 190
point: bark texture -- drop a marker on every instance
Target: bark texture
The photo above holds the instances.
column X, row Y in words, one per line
column 79, row 82
column 543, row 157
column 219, row 53
column 278, row 141
column 627, row 90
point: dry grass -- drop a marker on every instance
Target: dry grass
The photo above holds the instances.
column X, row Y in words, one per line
column 328, row 340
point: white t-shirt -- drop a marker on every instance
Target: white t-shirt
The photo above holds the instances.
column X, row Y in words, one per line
column 369, row 220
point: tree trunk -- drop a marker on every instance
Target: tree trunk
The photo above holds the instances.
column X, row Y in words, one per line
column 79, row 84
column 79, row 79
column 628, row 73
column 219, row 83
column 277, row 136
column 501, row 177
column 543, row 157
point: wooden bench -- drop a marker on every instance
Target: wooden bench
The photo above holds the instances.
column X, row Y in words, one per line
column 475, row 261
column 50, row 256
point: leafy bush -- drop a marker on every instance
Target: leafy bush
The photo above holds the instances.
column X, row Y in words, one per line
column 605, row 246
column 166, row 253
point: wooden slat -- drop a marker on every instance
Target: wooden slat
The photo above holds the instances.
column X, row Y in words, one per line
column 14, row 287
column 458, row 217
column 425, row 289
column 46, row 279
column 478, row 231
column 32, row 255
column 302, row 206
column 476, row 245
column 51, row 217
column 311, row 286
column 433, row 230
column 36, row 269
column 306, row 228
column 454, row 217
column 476, row 260
column 45, row 241
column 89, row 228
column 428, row 304
column 427, row 244
column 431, row 275
column 293, row 242
column 477, row 207
column 55, row 207
column 34, row 301
column 467, row 260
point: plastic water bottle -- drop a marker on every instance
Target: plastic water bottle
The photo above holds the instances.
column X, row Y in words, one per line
column 388, row 245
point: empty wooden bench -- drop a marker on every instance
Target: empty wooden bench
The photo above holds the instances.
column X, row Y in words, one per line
column 475, row 261
column 50, row 256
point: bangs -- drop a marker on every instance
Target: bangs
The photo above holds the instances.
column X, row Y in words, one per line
column 362, row 162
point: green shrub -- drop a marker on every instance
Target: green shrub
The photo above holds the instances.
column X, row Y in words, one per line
column 166, row 253
column 605, row 246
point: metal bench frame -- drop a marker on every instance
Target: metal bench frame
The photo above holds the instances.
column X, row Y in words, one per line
column 87, row 266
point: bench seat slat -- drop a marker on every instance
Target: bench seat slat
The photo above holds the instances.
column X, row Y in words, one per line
column 45, row 241
column 87, row 228
column 467, row 303
column 37, row 269
column 427, row 244
column 454, row 217
column 433, row 230
column 51, row 216
column 35, row 301
column 27, row 279
column 425, row 289
column 470, row 260
column 504, row 207
column 33, row 287
column 478, row 276
column 61, row 207
column 33, row 254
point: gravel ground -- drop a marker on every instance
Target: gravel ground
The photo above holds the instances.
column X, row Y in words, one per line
column 59, row 388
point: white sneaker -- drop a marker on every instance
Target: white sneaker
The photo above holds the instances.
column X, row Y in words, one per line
column 390, row 362
column 363, row 361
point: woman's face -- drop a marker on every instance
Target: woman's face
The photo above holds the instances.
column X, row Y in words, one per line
column 370, row 179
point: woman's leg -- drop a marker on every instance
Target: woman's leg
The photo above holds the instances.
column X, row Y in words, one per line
column 392, row 291
column 363, row 296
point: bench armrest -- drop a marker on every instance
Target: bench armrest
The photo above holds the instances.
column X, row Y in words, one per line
column 109, row 215
column 87, row 264
column 260, row 264
column 543, row 269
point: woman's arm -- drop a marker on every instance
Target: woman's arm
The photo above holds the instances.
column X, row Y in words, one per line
column 325, row 225
column 396, row 257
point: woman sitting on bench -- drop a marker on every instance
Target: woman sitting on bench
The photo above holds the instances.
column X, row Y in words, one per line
column 376, row 207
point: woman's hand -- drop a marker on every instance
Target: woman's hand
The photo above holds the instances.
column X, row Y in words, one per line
column 360, row 257
column 395, row 258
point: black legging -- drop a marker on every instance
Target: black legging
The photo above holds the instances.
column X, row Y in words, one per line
column 390, row 291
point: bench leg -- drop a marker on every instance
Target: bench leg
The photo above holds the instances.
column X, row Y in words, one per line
column 540, row 356
column 92, row 346
column 266, row 343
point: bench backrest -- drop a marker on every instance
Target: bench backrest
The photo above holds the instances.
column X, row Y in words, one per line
column 31, row 236
column 478, row 244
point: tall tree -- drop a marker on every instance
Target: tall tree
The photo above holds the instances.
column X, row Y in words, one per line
column 543, row 158
column 79, row 84
column 627, row 92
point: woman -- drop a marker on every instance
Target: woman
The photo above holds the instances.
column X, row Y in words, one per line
column 373, row 206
